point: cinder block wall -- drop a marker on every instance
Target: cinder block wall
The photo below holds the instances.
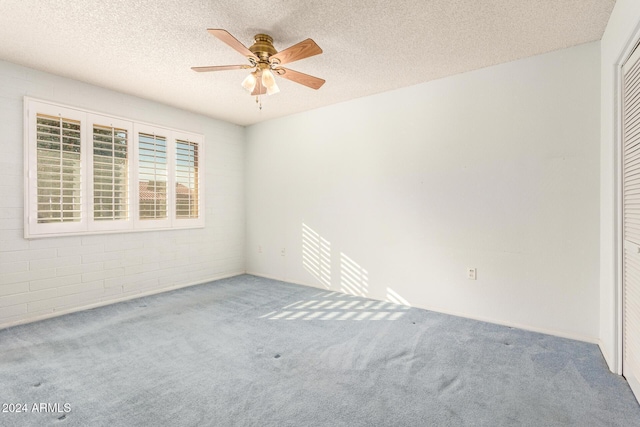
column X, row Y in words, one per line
column 46, row 277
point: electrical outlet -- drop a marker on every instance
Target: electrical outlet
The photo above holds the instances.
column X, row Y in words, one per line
column 259, row 249
column 472, row 273
column 282, row 252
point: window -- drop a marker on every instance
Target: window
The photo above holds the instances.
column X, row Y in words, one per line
column 110, row 173
column 187, row 195
column 58, row 164
column 90, row 173
column 152, row 176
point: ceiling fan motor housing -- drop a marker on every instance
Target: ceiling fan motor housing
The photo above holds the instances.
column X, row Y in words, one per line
column 263, row 47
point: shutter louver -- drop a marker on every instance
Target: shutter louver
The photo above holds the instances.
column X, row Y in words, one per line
column 152, row 170
column 110, row 173
column 187, row 193
column 59, row 183
column 631, row 220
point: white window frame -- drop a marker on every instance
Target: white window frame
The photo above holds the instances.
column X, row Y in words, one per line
column 122, row 224
column 198, row 139
column 31, row 191
column 87, row 223
column 146, row 224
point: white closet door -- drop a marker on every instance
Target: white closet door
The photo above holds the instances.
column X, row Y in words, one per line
column 631, row 221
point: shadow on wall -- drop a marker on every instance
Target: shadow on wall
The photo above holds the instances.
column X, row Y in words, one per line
column 338, row 306
column 353, row 278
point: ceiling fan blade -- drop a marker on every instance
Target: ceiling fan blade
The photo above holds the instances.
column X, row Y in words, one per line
column 299, row 51
column 224, row 36
column 298, row 77
column 259, row 89
column 221, row 68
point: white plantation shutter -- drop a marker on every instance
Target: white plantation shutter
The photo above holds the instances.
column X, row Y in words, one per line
column 109, row 168
column 153, row 180
column 631, row 221
column 59, row 171
column 110, row 173
column 153, row 175
column 55, row 189
column 187, row 162
column 91, row 173
column 187, row 194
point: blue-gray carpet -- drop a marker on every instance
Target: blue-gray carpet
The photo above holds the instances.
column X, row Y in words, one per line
column 249, row 351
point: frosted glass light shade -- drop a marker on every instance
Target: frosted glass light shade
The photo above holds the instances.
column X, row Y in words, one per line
column 269, row 81
column 249, row 82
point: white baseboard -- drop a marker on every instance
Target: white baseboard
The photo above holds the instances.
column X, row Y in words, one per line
column 557, row 333
column 312, row 285
column 114, row 301
column 611, row 363
column 554, row 332
column 280, row 279
column 634, row 384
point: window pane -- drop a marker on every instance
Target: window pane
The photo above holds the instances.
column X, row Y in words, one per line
column 152, row 181
column 110, row 168
column 187, row 193
column 59, row 173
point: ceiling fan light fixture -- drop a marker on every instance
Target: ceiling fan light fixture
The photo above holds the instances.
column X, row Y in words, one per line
column 249, row 83
column 266, row 62
column 269, row 81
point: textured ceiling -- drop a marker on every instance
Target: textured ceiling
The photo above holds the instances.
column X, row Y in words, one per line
column 146, row 47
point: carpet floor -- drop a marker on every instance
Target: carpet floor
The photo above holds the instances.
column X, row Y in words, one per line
column 249, row 351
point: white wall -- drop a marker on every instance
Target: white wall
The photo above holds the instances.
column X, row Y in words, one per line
column 495, row 169
column 44, row 277
column 621, row 32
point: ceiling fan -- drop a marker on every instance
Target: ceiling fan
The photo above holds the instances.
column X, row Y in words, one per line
column 267, row 62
